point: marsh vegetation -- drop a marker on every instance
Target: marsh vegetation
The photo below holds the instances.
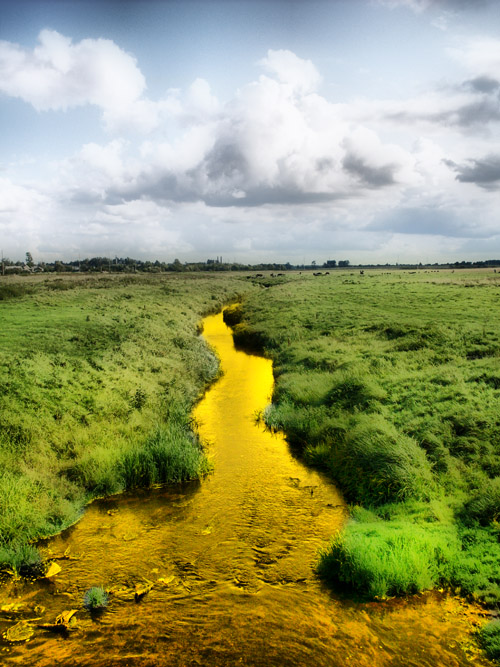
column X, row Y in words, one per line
column 98, row 377
column 390, row 382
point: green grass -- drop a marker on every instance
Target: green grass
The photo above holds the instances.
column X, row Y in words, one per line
column 95, row 598
column 390, row 382
column 98, row 377
column 490, row 639
column 381, row 559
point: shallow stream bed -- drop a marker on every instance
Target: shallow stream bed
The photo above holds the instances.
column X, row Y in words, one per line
column 230, row 561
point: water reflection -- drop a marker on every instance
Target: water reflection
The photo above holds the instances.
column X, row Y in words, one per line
column 230, row 561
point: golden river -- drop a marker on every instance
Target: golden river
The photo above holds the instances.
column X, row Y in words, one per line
column 221, row 572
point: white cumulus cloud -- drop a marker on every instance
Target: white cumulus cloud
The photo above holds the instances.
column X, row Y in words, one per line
column 58, row 74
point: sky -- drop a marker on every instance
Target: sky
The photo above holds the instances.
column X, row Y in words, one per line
column 255, row 130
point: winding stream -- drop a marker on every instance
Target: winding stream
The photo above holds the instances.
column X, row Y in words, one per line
column 231, row 562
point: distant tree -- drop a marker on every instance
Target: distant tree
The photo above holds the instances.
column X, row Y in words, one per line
column 29, row 260
column 344, row 262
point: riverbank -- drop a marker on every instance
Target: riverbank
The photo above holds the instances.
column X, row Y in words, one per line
column 390, row 382
column 220, row 572
column 98, row 377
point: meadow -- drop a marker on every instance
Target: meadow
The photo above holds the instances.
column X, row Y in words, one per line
column 98, row 378
column 390, row 382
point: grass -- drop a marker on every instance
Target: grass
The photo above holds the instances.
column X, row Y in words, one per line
column 98, row 377
column 95, row 598
column 490, row 639
column 390, row 382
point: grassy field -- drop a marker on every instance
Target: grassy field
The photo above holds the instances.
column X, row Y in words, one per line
column 390, row 381
column 98, row 376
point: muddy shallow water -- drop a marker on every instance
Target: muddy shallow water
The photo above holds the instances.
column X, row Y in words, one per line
column 230, row 561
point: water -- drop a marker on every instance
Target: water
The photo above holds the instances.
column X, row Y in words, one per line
column 231, row 563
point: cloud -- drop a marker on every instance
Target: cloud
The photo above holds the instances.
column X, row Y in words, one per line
column 276, row 142
column 25, row 214
column 419, row 6
column 429, row 221
column 57, row 74
column 480, row 55
column 484, row 172
column 482, row 84
column 375, row 164
column 473, row 104
column 301, row 75
column 276, row 167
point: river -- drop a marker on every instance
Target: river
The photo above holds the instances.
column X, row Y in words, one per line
column 230, row 561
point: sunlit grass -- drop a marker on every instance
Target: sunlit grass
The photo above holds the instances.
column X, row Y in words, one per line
column 98, row 376
column 390, row 382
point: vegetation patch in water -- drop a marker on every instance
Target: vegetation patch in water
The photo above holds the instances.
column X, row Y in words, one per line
column 95, row 599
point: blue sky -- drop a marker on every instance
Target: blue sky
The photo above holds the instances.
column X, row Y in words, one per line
column 260, row 131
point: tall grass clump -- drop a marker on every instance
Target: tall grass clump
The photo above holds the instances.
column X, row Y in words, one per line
column 22, row 559
column 376, row 464
column 378, row 559
column 483, row 506
column 95, row 599
column 489, row 637
column 355, row 390
column 170, row 454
